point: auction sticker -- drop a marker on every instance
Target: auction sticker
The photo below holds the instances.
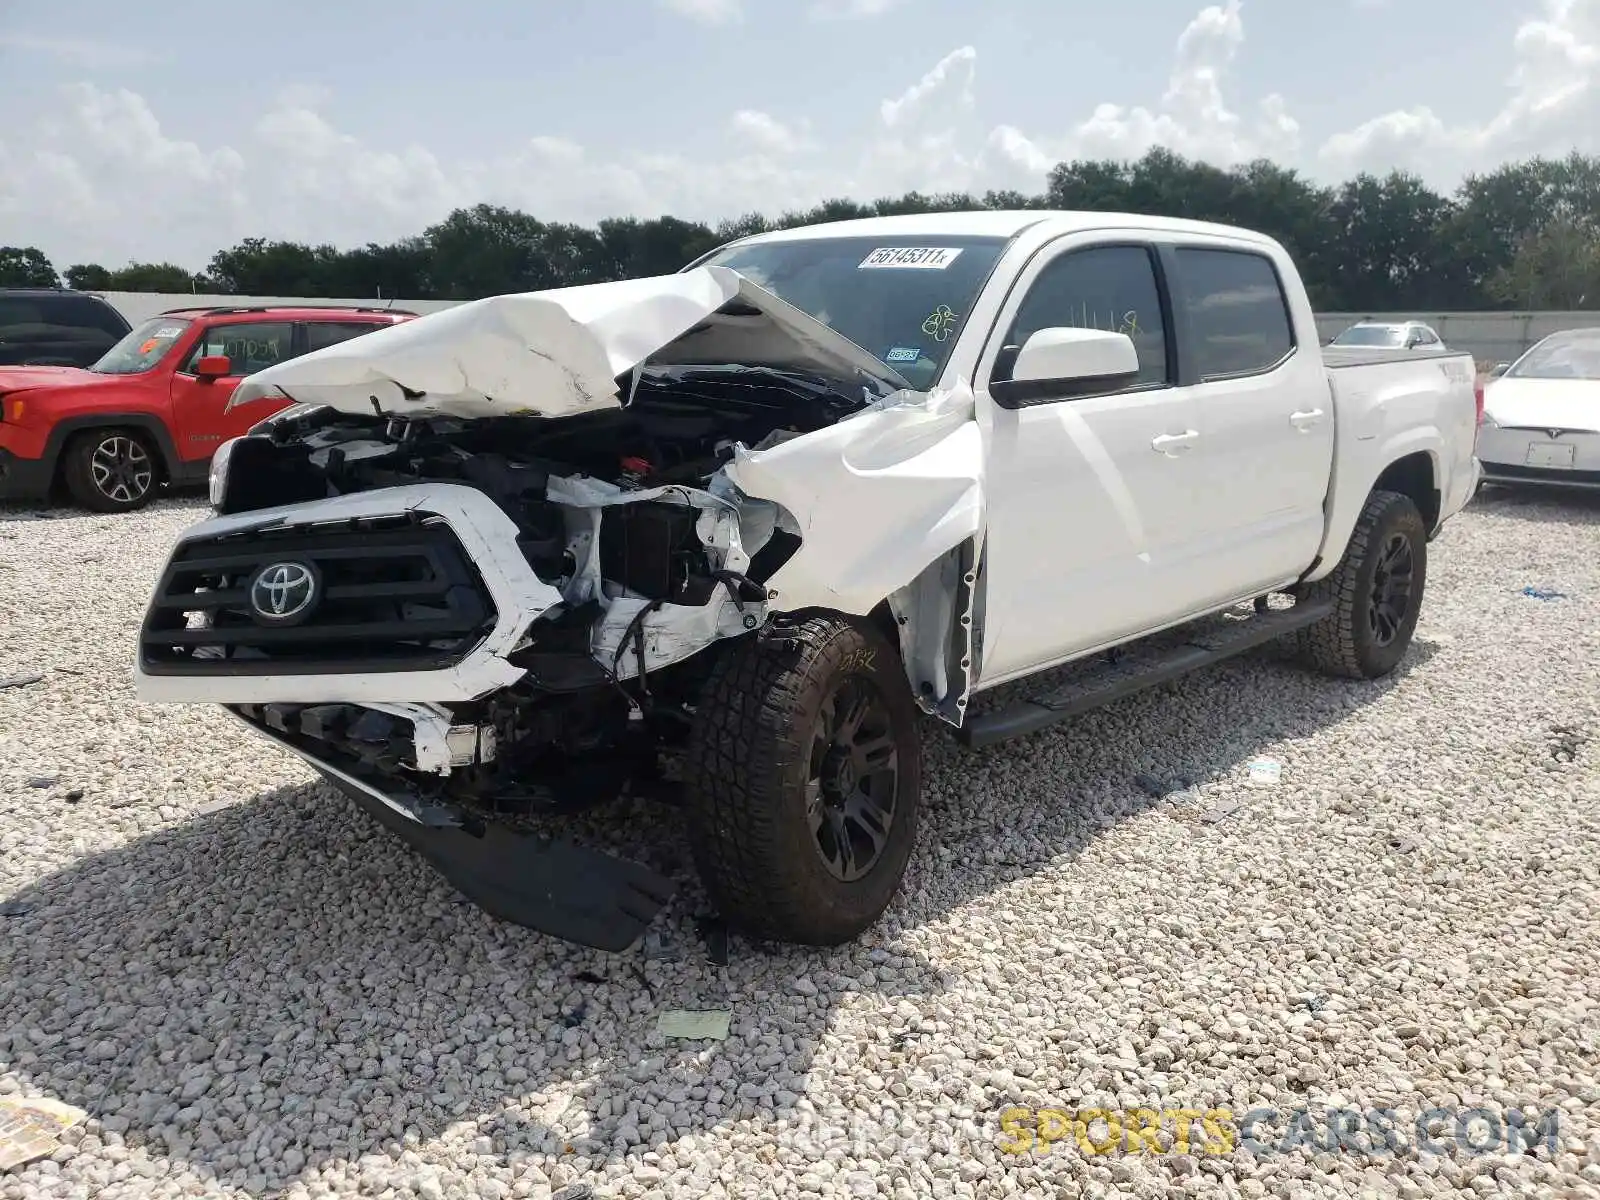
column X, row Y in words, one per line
column 921, row 258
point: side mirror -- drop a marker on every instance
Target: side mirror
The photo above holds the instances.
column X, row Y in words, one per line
column 1499, row 370
column 1061, row 363
column 212, row 367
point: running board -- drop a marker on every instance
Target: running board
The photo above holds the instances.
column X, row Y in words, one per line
column 1139, row 665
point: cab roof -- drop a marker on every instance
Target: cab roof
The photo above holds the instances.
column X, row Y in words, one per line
column 1001, row 223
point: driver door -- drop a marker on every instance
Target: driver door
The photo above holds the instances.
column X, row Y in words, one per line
column 1090, row 497
column 198, row 405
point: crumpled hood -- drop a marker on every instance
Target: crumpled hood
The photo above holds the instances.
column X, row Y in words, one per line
column 561, row 352
column 1544, row 403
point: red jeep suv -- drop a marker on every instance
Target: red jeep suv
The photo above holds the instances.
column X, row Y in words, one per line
column 152, row 409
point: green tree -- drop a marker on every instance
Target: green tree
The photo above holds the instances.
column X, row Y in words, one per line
column 26, row 266
column 1557, row 267
column 152, row 277
column 88, row 277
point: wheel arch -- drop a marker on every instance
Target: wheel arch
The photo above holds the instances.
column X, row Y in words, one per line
column 151, row 426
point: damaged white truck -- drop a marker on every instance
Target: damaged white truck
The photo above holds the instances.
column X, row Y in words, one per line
column 750, row 529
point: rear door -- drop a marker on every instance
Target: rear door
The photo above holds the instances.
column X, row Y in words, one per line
column 198, row 405
column 1264, row 412
column 1088, row 506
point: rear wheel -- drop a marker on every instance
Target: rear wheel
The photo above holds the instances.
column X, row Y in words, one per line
column 110, row 470
column 804, row 777
column 1376, row 591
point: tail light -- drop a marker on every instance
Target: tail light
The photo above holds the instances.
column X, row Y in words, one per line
column 1477, row 395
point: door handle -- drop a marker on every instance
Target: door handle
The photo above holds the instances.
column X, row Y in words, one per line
column 1305, row 420
column 1173, row 444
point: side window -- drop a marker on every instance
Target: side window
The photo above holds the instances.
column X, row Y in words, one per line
column 93, row 314
column 249, row 347
column 321, row 334
column 1104, row 287
column 1238, row 315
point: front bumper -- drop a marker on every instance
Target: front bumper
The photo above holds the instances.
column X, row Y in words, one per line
column 24, row 478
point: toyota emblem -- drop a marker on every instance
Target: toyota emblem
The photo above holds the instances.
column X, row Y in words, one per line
column 283, row 593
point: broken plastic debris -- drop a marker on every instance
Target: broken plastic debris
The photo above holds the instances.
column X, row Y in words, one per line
column 695, row 1026
column 1543, row 593
column 31, row 1129
column 1216, row 813
column 1264, row 772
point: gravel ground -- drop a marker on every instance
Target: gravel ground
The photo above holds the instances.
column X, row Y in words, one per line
column 253, row 992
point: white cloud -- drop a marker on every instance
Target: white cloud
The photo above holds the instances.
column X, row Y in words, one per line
column 852, row 10
column 1553, row 107
column 103, row 179
column 1193, row 118
column 766, row 132
column 707, row 12
column 80, row 52
column 951, row 75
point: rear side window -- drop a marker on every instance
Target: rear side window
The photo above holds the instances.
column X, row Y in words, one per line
column 322, row 334
column 1106, row 287
column 59, row 330
column 1238, row 314
column 90, row 314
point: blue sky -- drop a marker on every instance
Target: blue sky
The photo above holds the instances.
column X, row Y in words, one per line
column 168, row 131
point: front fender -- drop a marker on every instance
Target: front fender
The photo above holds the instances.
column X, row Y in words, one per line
column 889, row 506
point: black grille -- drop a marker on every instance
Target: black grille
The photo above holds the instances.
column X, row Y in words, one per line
column 395, row 594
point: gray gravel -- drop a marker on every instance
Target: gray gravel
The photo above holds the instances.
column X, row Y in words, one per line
column 253, row 992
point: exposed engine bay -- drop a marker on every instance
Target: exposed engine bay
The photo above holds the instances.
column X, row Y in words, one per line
column 626, row 512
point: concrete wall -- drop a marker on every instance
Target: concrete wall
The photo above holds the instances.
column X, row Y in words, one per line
column 1491, row 337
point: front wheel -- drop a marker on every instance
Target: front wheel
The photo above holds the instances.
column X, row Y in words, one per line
column 804, row 775
column 1376, row 591
column 110, row 470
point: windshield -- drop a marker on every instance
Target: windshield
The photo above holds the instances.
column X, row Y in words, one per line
column 903, row 300
column 141, row 349
column 1371, row 335
column 1560, row 358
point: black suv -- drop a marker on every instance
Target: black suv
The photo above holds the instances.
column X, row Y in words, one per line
column 49, row 327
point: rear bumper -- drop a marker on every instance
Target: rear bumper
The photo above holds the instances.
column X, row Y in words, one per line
column 1507, row 473
column 552, row 885
column 24, row 478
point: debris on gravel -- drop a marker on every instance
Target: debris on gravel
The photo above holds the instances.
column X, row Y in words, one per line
column 1091, row 984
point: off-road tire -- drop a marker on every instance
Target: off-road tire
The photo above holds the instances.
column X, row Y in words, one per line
column 1344, row 643
column 78, row 471
column 748, row 762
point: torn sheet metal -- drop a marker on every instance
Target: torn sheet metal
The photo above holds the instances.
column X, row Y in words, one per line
column 560, row 352
column 914, row 463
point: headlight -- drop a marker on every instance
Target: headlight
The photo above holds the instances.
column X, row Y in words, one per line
column 218, row 478
column 1488, row 420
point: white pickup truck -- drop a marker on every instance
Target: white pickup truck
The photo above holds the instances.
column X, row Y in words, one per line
column 727, row 535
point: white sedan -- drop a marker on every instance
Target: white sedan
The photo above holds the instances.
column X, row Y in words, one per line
column 1541, row 418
